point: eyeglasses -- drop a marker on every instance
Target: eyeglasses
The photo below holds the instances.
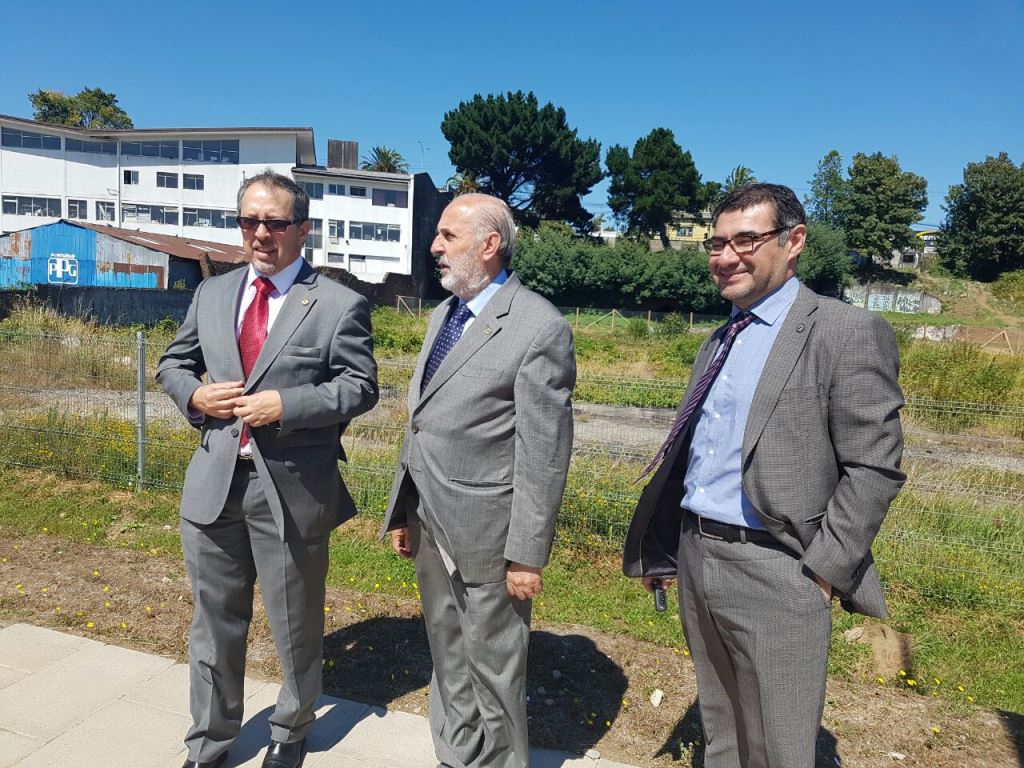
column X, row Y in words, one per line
column 248, row 223
column 742, row 244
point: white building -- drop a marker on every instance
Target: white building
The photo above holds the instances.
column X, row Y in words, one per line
column 184, row 182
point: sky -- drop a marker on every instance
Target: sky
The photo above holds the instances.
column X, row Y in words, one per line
column 770, row 85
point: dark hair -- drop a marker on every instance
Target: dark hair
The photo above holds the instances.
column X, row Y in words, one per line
column 788, row 210
column 275, row 180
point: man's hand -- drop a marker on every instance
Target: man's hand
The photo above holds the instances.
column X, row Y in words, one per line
column 648, row 582
column 401, row 544
column 523, row 581
column 259, row 409
column 826, row 588
column 217, row 400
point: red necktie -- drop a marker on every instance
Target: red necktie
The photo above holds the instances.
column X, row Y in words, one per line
column 254, row 331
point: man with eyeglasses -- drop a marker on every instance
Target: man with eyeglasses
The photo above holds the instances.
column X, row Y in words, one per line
column 288, row 361
column 773, row 482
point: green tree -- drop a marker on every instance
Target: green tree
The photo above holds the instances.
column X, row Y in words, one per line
column 738, row 177
column 89, row 108
column 653, row 184
column 983, row 234
column 385, row 160
column 462, row 183
column 828, row 190
column 525, row 154
column 825, row 262
column 880, row 204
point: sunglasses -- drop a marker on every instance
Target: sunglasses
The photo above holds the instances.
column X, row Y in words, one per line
column 248, row 223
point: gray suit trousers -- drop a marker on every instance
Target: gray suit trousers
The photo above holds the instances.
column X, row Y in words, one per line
column 224, row 558
column 758, row 628
column 479, row 636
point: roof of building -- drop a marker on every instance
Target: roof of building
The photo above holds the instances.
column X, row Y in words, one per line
column 319, row 170
column 182, row 247
column 306, row 152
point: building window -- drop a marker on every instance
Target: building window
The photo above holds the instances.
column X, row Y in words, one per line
column 167, row 180
column 365, row 230
column 104, row 211
column 357, row 191
column 314, row 189
column 335, row 231
column 392, row 198
column 335, row 189
column 78, row 209
column 684, row 231
column 336, row 258
column 210, row 150
column 32, row 206
column 13, row 137
column 207, row 217
column 192, row 181
column 96, row 147
column 166, row 149
column 356, row 263
column 131, row 177
column 149, row 214
column 314, row 240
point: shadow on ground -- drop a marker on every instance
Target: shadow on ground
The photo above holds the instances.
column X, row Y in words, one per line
column 1014, row 724
column 686, row 743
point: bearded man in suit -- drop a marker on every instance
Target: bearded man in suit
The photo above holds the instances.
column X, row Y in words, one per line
column 776, row 476
column 289, row 362
column 480, row 481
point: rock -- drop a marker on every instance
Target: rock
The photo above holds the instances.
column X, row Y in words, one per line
column 896, row 755
column 549, row 702
column 593, row 754
column 656, row 697
column 555, row 674
column 541, row 691
column 892, row 650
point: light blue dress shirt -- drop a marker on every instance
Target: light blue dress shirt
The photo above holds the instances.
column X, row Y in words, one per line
column 713, row 484
column 477, row 303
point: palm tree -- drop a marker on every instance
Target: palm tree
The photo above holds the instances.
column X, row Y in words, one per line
column 740, row 176
column 462, row 183
column 385, row 160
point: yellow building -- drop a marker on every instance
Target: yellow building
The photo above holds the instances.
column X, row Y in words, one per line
column 687, row 231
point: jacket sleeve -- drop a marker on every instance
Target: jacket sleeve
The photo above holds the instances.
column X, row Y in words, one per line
column 864, row 423
column 543, row 442
column 182, row 365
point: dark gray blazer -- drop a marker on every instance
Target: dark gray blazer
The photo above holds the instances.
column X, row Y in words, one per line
column 319, row 356
column 487, row 446
column 821, row 451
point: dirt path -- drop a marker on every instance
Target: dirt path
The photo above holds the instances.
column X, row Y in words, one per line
column 588, row 689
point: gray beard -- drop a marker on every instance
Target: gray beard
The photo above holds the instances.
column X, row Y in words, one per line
column 467, row 284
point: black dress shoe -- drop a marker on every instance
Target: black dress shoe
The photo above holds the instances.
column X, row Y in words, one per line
column 282, row 755
column 217, row 762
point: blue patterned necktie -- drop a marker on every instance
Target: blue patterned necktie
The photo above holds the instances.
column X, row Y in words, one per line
column 700, row 389
column 446, row 339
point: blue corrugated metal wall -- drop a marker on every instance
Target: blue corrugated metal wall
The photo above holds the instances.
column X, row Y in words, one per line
column 62, row 253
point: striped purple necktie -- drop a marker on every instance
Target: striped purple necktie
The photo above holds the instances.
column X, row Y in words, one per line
column 700, row 390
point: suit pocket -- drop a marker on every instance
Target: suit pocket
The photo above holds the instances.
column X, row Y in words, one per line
column 292, row 350
column 478, row 483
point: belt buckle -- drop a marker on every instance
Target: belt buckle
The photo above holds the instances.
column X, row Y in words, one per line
column 700, row 529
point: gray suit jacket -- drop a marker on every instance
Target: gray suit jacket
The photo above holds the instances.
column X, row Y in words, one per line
column 319, row 356
column 821, row 450
column 487, row 446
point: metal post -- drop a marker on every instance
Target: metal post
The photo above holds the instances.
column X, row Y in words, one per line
column 140, row 391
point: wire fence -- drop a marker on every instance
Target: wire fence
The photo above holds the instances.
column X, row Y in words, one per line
column 90, row 408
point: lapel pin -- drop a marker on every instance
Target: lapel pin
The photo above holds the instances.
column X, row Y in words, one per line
column 487, row 331
column 800, row 328
column 305, row 302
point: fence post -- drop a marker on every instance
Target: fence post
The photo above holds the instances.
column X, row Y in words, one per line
column 140, row 392
column 691, row 321
column 419, row 307
column 577, row 320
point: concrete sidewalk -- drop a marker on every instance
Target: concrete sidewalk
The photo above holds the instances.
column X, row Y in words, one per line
column 68, row 701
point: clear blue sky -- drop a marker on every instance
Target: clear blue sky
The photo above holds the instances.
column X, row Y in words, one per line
column 772, row 86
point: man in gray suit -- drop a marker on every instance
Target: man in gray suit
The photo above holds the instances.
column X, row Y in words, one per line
column 289, row 362
column 480, row 481
column 777, row 474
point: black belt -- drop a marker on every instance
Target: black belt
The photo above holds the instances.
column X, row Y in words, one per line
column 713, row 529
column 244, row 459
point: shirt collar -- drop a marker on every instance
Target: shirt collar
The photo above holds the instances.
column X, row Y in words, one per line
column 771, row 307
column 477, row 303
column 282, row 279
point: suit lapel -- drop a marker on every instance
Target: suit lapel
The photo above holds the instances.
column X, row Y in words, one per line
column 434, row 326
column 781, row 361
column 484, row 328
column 226, row 310
column 297, row 303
